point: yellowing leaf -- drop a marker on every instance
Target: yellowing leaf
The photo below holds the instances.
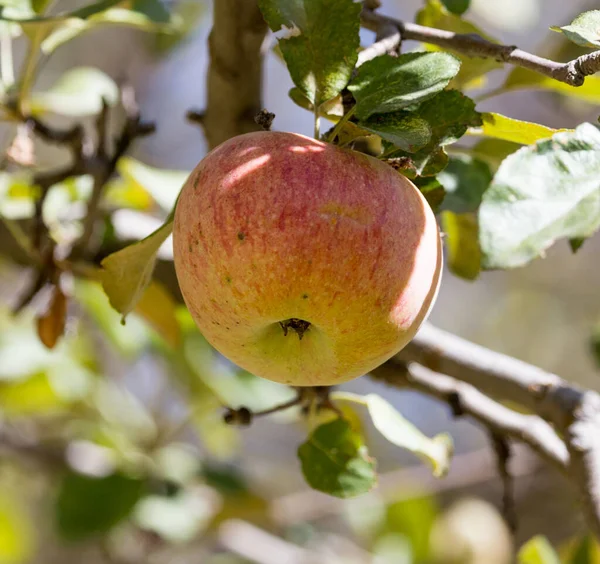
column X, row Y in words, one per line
column 538, row 551
column 127, row 273
column 521, row 78
column 31, row 396
column 51, row 325
column 502, row 127
column 163, row 185
column 157, row 307
column 462, row 243
column 17, row 537
column 437, row 451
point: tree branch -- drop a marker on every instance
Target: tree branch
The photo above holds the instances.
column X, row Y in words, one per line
column 235, row 73
column 572, row 72
column 574, row 413
column 467, row 400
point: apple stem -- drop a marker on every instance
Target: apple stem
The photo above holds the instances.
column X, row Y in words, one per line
column 298, row 325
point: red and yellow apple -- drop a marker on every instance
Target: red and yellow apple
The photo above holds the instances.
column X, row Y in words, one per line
column 302, row 262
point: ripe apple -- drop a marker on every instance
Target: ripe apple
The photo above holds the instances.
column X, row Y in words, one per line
column 302, row 262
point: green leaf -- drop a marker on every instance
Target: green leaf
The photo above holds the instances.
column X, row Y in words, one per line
column 449, row 115
column 404, row 130
column 462, row 244
column 502, row 127
column 457, row 7
column 39, row 5
column 386, row 83
column 436, row 451
column 494, row 151
column 72, row 27
column 78, row 92
column 432, row 190
column 154, row 9
column 584, row 30
column 162, row 184
column 585, row 551
column 127, row 273
column 87, row 506
column 413, row 519
column 576, row 243
column 538, row 551
column 465, row 179
column 541, row 193
column 335, row 461
column 331, row 109
column 472, row 69
column 323, row 48
column 520, row 78
column 595, row 344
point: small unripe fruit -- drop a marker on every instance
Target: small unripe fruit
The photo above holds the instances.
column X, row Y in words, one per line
column 302, row 262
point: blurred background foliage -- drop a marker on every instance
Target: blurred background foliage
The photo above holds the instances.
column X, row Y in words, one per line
column 150, row 472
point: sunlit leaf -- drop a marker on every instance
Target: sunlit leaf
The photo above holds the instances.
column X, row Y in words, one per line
column 178, row 518
column 520, row 78
column 541, row 193
column 436, row 451
column 78, row 92
column 583, row 30
column 335, row 461
column 322, row 50
column 502, row 127
column 17, row 195
column 87, row 506
column 127, row 273
column 462, row 243
column 73, row 27
column 387, row 84
column 538, row 551
column 163, row 185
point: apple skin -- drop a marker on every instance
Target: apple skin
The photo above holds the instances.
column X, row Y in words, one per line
column 272, row 226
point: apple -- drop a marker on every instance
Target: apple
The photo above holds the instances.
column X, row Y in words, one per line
column 302, row 262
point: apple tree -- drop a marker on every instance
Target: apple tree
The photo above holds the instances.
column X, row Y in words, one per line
column 97, row 462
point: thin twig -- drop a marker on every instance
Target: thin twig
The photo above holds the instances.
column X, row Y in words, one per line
column 503, row 452
column 572, row 72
